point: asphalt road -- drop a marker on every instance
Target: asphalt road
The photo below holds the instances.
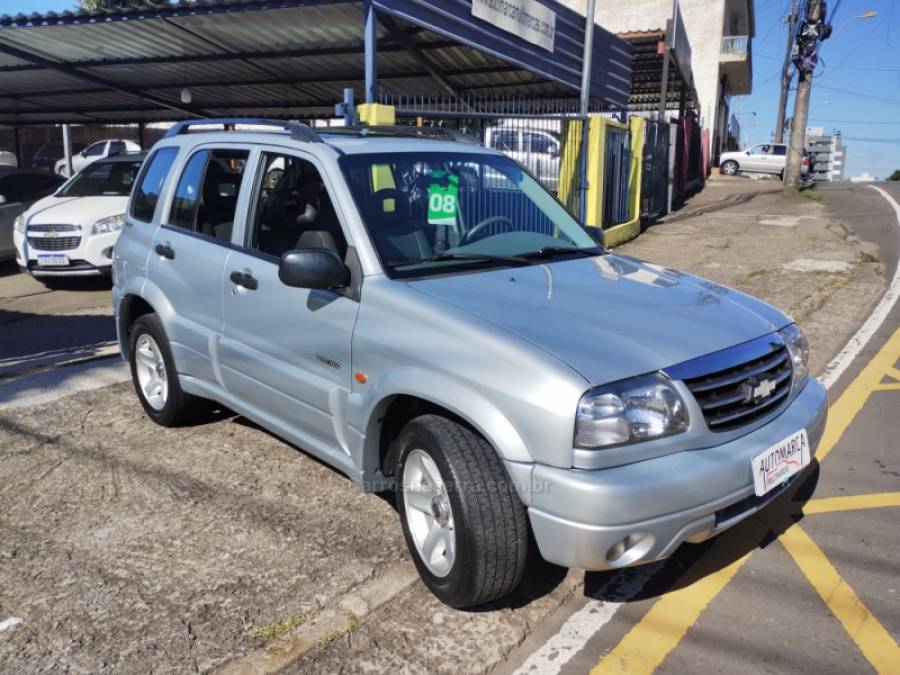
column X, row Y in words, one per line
column 811, row 584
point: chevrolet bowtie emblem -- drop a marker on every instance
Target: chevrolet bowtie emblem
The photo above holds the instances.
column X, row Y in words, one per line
column 756, row 391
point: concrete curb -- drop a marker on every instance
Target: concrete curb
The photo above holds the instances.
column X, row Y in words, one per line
column 325, row 626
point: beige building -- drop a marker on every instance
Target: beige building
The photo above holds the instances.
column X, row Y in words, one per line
column 720, row 33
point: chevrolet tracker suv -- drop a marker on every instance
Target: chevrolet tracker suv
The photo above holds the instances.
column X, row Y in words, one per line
column 72, row 231
column 420, row 313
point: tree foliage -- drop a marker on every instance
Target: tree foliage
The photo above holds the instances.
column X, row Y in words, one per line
column 895, row 175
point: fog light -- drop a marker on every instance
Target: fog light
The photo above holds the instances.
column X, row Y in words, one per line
column 107, row 252
column 630, row 549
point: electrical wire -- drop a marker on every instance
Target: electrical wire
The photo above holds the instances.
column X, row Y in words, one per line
column 831, row 121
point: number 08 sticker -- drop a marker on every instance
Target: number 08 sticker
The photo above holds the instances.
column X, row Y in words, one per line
column 443, row 199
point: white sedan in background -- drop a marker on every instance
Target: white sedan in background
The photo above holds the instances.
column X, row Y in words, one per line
column 95, row 151
column 72, row 232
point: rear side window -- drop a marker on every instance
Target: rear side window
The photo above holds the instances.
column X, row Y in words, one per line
column 143, row 203
column 780, row 150
column 187, row 194
column 206, row 197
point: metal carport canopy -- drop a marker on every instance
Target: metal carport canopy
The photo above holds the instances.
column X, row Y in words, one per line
column 281, row 58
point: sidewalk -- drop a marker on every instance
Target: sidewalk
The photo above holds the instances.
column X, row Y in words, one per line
column 746, row 234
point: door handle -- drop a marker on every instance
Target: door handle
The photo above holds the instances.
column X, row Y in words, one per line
column 165, row 251
column 244, row 279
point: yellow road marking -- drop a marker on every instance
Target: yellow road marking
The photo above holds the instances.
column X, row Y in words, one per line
column 650, row 640
column 893, row 373
column 873, row 640
column 833, row 504
column 841, row 414
column 887, row 387
column 667, row 622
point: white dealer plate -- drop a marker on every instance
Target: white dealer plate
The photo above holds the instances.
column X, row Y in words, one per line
column 776, row 464
column 52, row 259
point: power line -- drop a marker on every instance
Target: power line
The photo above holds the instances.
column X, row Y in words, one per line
column 830, row 121
column 861, row 139
column 861, row 95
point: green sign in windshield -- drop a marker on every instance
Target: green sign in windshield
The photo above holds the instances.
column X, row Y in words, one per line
column 443, row 198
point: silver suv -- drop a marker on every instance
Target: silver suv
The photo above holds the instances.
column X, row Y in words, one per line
column 420, row 313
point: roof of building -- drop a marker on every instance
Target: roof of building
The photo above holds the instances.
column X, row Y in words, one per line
column 278, row 58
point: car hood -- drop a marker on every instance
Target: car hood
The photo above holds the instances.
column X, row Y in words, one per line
column 609, row 317
column 78, row 210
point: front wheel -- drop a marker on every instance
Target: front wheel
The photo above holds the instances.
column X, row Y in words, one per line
column 729, row 168
column 464, row 524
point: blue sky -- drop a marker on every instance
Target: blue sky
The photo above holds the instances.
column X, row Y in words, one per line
column 857, row 86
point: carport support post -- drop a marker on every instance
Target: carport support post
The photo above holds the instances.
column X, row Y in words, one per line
column 17, row 139
column 67, row 147
column 371, row 50
column 587, row 57
column 141, row 126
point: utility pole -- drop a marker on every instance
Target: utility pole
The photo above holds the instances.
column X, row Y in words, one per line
column 812, row 31
column 786, row 75
column 584, row 101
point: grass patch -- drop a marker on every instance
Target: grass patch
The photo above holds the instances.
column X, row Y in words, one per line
column 756, row 273
column 809, row 193
column 351, row 627
column 272, row 631
column 867, row 257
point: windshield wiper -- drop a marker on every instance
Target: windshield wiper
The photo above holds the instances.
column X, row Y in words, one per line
column 550, row 251
column 465, row 257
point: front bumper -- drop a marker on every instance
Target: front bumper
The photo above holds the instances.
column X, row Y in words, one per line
column 578, row 515
column 92, row 257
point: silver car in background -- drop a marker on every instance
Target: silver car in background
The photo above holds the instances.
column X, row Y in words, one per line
column 423, row 315
column 538, row 150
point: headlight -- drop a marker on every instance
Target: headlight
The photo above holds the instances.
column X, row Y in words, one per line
column 798, row 348
column 629, row 411
column 19, row 223
column 111, row 224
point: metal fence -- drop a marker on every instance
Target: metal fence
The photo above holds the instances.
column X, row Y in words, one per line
column 655, row 169
column 616, row 202
column 544, row 135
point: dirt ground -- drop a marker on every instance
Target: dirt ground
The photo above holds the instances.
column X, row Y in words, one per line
column 125, row 547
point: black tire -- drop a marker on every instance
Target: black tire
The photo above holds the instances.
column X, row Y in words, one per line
column 180, row 408
column 730, row 168
column 490, row 522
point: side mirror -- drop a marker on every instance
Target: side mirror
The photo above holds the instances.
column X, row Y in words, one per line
column 747, row 153
column 315, row 268
column 2, row 200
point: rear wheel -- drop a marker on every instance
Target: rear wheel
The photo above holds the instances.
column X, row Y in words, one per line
column 465, row 526
column 729, row 168
column 154, row 376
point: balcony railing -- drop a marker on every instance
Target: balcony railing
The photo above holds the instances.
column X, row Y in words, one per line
column 735, row 45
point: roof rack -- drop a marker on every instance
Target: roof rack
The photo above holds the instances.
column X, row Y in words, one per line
column 298, row 130
column 405, row 132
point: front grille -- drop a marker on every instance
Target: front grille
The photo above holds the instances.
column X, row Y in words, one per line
column 54, row 228
column 737, row 396
column 54, row 243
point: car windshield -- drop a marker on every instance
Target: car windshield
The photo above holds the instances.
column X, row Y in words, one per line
column 103, row 179
column 434, row 213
